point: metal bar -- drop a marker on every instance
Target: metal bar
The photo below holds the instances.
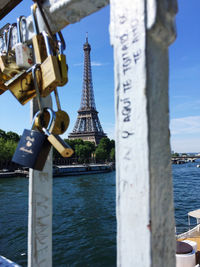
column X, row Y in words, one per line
column 40, row 208
column 6, row 6
column 141, row 32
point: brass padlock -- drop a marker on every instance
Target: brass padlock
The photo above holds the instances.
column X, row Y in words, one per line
column 62, row 60
column 3, row 88
column 61, row 121
column 59, row 144
column 49, row 69
column 8, row 64
column 62, row 118
column 39, row 47
column 22, row 85
column 3, row 79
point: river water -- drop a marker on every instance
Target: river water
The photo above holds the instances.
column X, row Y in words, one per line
column 84, row 220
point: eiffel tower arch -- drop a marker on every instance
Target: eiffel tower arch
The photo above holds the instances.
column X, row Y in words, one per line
column 87, row 126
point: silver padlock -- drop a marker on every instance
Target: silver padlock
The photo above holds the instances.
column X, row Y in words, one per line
column 7, row 58
column 23, row 52
column 3, row 38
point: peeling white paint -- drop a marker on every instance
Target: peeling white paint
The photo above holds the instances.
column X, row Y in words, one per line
column 145, row 215
column 40, row 208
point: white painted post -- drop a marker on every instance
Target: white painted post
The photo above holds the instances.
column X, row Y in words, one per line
column 59, row 13
column 40, row 208
column 141, row 31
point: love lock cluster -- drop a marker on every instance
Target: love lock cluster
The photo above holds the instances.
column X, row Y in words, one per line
column 30, row 70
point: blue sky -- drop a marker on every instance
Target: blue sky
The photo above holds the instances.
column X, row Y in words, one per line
column 183, row 84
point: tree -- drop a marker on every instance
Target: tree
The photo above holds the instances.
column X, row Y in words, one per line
column 104, row 149
column 82, row 151
column 101, row 154
column 2, row 134
column 12, row 136
column 112, row 154
column 175, row 154
column 7, row 149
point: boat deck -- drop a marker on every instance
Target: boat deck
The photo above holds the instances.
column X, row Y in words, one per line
column 195, row 236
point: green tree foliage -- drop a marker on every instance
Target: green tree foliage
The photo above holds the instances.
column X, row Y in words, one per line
column 175, row 154
column 103, row 151
column 83, row 150
column 2, row 134
column 8, row 144
column 112, row 154
column 101, row 154
column 7, row 149
column 12, row 136
column 9, row 136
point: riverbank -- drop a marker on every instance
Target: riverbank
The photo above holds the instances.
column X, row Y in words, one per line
column 65, row 170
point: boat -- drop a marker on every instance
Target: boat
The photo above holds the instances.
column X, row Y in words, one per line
column 81, row 169
column 190, row 242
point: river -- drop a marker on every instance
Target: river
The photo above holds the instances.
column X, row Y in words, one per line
column 84, row 219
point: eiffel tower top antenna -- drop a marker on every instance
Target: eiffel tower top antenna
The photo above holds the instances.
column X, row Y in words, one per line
column 86, row 37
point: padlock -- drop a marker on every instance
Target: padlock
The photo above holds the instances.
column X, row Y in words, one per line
column 62, row 61
column 39, row 47
column 49, row 69
column 3, row 79
column 59, row 144
column 4, row 38
column 33, row 148
column 3, row 43
column 62, row 118
column 61, row 122
column 22, row 86
column 8, row 64
column 3, row 88
column 23, row 52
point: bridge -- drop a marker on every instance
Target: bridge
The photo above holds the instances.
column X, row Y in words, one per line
column 185, row 157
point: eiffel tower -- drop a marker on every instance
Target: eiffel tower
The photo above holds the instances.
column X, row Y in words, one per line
column 87, row 126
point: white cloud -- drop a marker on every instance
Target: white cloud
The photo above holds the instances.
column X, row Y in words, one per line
column 93, row 64
column 186, row 145
column 185, row 134
column 185, row 125
column 97, row 64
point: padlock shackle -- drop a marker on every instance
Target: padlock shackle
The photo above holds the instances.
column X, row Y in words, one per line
column 19, row 27
column 61, row 41
column 57, row 99
column 52, row 119
column 35, row 23
column 38, row 96
column 5, row 33
column 9, row 36
column 47, row 43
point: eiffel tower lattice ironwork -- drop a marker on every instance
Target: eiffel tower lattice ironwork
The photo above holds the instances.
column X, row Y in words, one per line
column 87, row 126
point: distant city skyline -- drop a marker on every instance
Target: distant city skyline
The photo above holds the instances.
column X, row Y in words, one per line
column 184, row 78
